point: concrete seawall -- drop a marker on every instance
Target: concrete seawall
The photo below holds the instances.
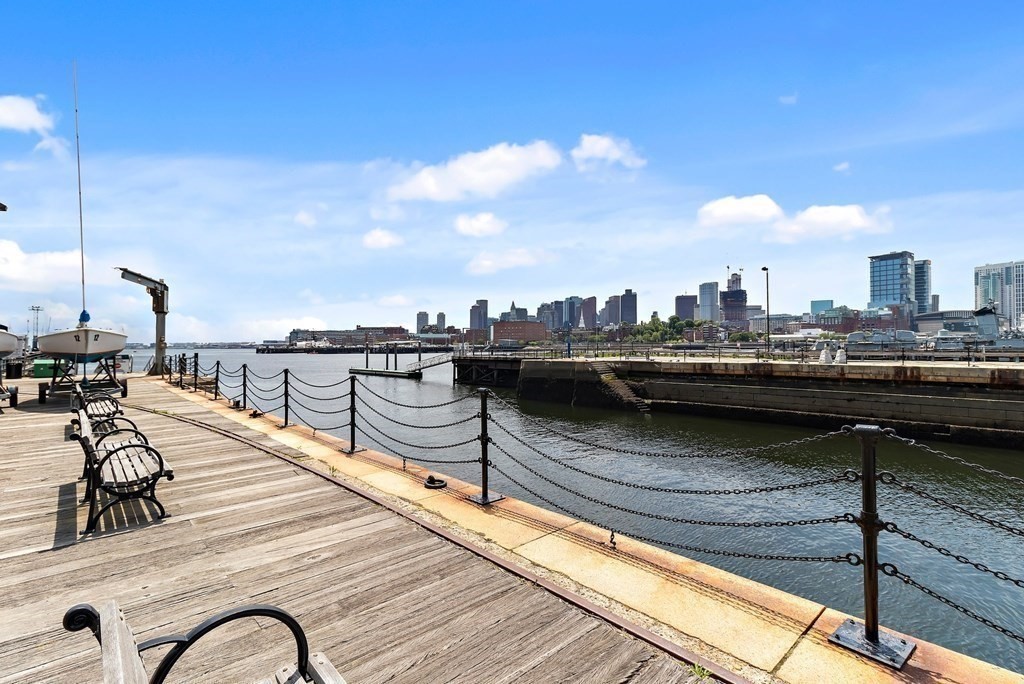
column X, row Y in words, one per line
column 958, row 403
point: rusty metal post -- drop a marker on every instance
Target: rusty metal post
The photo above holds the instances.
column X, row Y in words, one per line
column 485, row 497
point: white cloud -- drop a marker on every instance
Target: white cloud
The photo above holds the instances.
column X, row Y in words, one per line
column 484, row 174
column 733, row 210
column 842, row 167
column 789, row 100
column 486, row 263
column 379, row 238
column 596, row 151
column 305, row 218
column 394, row 301
column 830, row 222
column 22, row 114
column 479, row 225
column 36, row 272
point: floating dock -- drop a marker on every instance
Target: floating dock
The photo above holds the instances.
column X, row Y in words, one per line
column 413, row 374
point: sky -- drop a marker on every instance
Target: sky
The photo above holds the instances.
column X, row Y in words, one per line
column 322, row 164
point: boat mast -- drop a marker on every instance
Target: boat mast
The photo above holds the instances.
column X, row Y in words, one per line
column 78, row 159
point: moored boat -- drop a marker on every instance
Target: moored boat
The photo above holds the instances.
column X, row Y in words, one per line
column 83, row 344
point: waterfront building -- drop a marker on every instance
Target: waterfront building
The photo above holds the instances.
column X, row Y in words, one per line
column 892, row 281
column 957, row 321
column 613, row 310
column 1002, row 283
column 589, row 313
column 440, row 321
column 348, row 338
column 923, row 285
column 518, row 331
column 709, row 301
column 627, row 307
column 686, row 307
column 819, row 305
column 422, row 321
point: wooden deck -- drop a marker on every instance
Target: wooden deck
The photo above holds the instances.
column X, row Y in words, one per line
column 387, row 600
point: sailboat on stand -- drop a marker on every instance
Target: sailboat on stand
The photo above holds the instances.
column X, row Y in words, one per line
column 84, row 343
column 8, row 342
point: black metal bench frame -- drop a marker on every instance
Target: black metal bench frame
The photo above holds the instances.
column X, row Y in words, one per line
column 316, row 669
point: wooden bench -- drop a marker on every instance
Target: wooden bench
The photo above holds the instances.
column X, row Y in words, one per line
column 122, row 659
column 120, row 462
column 97, row 404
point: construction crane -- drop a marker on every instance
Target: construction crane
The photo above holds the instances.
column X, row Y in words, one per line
column 158, row 290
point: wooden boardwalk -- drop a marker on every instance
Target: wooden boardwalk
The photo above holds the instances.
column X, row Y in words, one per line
column 387, row 600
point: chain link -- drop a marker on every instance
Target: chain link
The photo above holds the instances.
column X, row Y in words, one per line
column 892, row 571
column 271, row 377
column 413, row 406
column 891, row 434
column 309, row 384
column 845, row 431
column 895, row 529
column 846, row 517
column 295, row 390
column 848, row 475
column 405, row 458
column 886, row 477
column 851, row 558
column 416, row 446
column 419, row 427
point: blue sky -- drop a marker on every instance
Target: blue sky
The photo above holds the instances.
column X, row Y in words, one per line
column 325, row 164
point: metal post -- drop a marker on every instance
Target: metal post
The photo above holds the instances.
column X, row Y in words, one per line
column 866, row 639
column 419, row 350
column 245, row 385
column 351, row 414
column 387, row 358
column 181, row 371
column 216, row 381
column 396, row 357
column 285, row 397
column 367, row 348
column 195, row 372
column 485, row 497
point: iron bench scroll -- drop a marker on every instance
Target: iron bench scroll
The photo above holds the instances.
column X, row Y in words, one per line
column 122, row 656
column 120, row 462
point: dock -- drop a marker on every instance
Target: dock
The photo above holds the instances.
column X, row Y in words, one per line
column 393, row 581
column 412, row 375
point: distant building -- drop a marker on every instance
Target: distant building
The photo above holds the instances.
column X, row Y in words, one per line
column 709, row 301
column 613, row 310
column 518, row 331
column 839, row 319
column 1002, row 283
column 686, row 307
column 478, row 315
column 733, row 304
column 571, row 311
column 957, row 321
column 819, row 305
column 558, row 307
column 589, row 312
column 422, row 321
column 546, row 315
column 348, row 338
column 935, row 303
column 923, row 285
column 441, row 321
column 627, row 307
column 892, row 281
column 515, row 313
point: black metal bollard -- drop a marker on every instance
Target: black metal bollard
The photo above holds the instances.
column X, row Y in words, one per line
column 181, row 372
column 216, row 381
column 195, row 372
column 485, row 497
column 352, row 416
column 865, row 638
column 285, row 397
column 245, row 385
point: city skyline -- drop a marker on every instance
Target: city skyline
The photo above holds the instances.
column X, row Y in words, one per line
column 357, row 164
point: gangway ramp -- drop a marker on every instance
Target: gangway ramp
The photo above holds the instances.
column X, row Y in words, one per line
column 431, row 362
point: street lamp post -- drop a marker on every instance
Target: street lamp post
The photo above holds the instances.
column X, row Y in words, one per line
column 768, row 313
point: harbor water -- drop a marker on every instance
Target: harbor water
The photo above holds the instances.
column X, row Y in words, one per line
column 682, row 452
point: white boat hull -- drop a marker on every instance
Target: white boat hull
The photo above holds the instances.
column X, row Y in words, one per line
column 82, row 345
column 8, row 343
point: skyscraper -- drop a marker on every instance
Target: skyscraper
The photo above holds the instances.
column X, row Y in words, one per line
column 558, row 306
column 892, row 281
column 1004, row 284
column 422, row 321
column 627, row 307
column 709, row 301
column 686, row 307
column 923, row 284
column 613, row 311
column 441, row 322
column 571, row 311
column 482, row 315
column 589, row 312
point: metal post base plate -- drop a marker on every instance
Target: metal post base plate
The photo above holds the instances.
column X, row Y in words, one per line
column 349, row 452
column 890, row 650
column 489, row 499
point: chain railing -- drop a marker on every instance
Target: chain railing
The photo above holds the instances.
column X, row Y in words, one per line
column 370, row 412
